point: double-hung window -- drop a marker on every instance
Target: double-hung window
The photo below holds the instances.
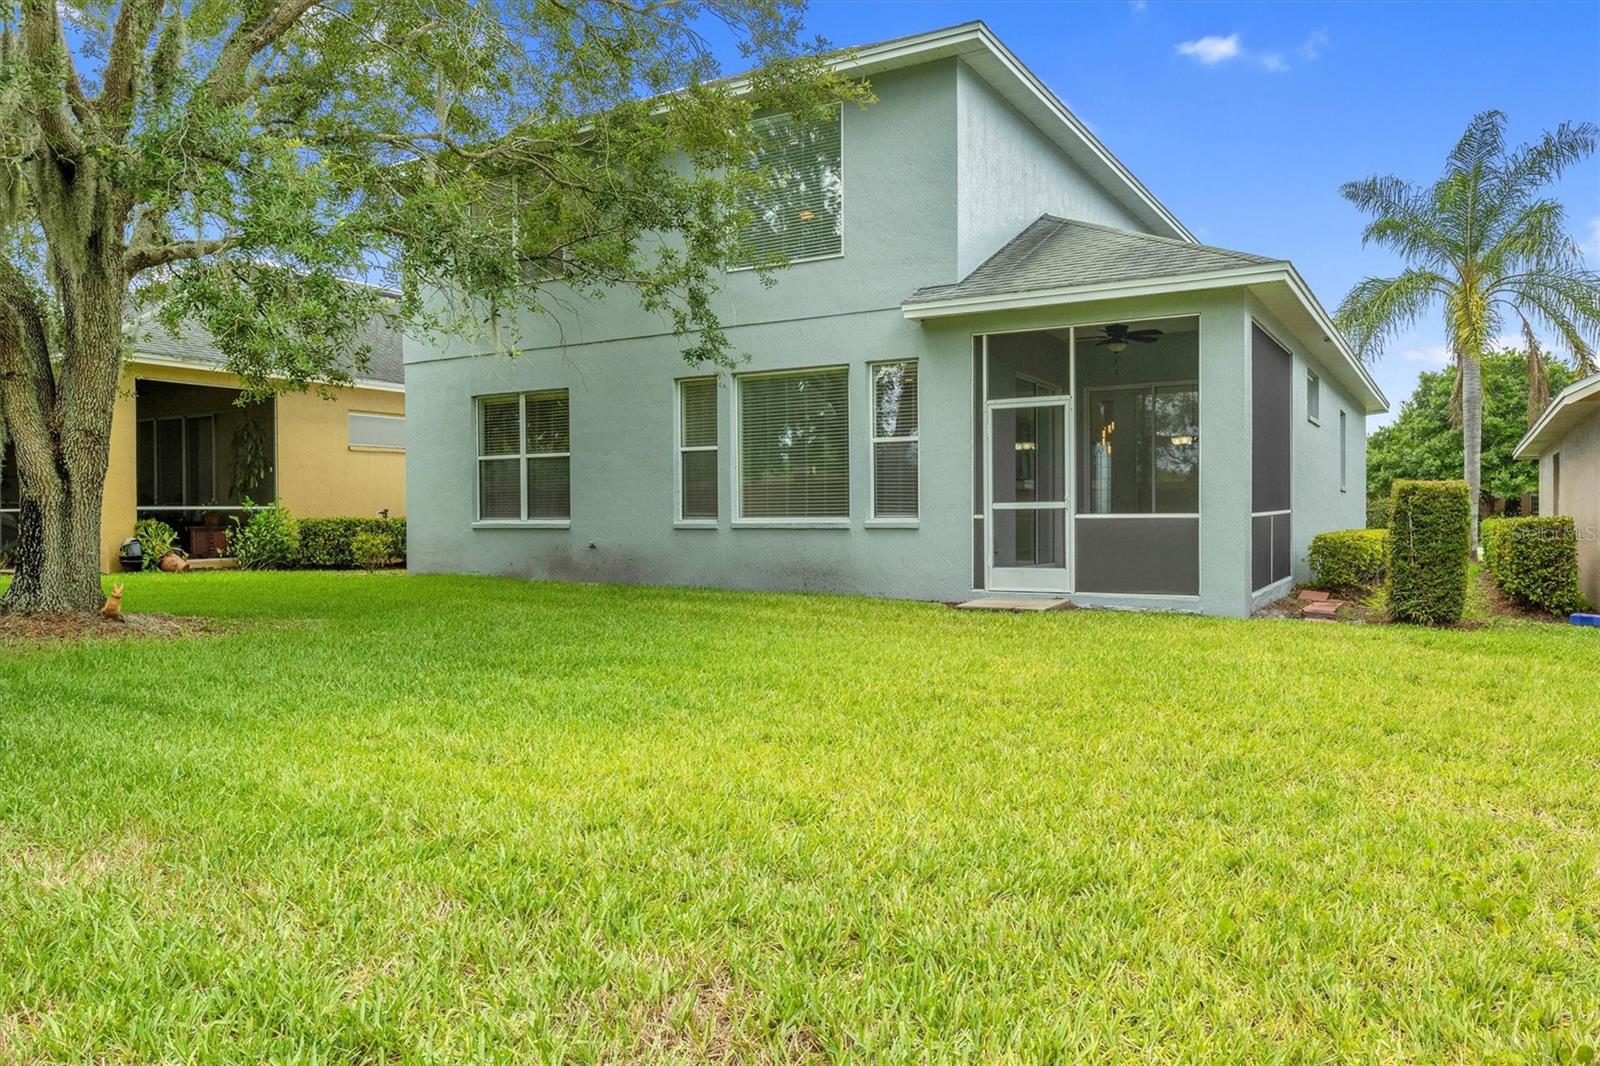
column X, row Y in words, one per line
column 793, row 447
column 894, row 440
column 697, row 450
column 524, row 458
column 798, row 212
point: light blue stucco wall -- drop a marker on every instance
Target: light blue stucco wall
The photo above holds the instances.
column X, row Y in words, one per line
column 1316, row 501
column 1009, row 174
column 905, row 227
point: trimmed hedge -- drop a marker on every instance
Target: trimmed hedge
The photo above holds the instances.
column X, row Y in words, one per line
column 1378, row 510
column 1430, row 531
column 325, row 542
column 1534, row 561
column 1350, row 558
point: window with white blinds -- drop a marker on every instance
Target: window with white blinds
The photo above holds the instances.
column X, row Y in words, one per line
column 799, row 211
column 524, row 458
column 697, row 450
column 794, row 445
column 894, row 439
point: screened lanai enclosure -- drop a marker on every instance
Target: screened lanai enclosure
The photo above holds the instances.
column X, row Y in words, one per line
column 200, row 455
column 1088, row 478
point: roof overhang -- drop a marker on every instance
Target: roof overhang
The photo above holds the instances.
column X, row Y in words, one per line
column 1278, row 286
column 138, row 358
column 1571, row 406
column 977, row 46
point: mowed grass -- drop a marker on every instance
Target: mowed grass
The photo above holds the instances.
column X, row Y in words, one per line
column 457, row 819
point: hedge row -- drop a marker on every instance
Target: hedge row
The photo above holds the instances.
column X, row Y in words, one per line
column 1349, row 558
column 1378, row 510
column 325, row 542
column 1534, row 561
column 1430, row 531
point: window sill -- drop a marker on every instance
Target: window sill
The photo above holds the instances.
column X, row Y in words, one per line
column 791, row 523
column 695, row 523
column 894, row 523
column 376, row 448
column 533, row 523
column 790, row 263
column 1314, row 421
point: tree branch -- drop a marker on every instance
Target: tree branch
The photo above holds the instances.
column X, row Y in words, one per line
column 145, row 256
column 135, row 20
column 46, row 46
column 227, row 82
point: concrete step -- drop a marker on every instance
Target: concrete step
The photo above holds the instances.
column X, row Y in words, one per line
column 1012, row 603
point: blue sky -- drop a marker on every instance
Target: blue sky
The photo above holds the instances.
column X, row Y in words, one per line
column 1247, row 137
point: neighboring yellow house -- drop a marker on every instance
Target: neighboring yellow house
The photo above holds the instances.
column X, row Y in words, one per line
column 180, row 443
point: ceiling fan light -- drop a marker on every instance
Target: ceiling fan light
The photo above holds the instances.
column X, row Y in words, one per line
column 1117, row 347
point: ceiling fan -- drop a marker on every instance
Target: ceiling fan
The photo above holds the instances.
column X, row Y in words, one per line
column 1116, row 337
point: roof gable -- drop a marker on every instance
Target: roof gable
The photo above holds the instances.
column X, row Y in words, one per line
column 976, row 45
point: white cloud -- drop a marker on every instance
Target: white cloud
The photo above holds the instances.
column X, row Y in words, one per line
column 1312, row 47
column 1432, row 356
column 1590, row 242
column 1212, row 50
column 1138, row 6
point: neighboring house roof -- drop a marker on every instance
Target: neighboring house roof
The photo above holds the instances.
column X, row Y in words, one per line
column 1059, row 261
column 977, row 46
column 193, row 345
column 1571, row 406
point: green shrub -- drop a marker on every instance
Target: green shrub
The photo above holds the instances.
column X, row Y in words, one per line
column 325, row 543
column 371, row 550
column 157, row 540
column 1534, row 561
column 1378, row 509
column 1430, row 528
column 266, row 538
column 1350, row 558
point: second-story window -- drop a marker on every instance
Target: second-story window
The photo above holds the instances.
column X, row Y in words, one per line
column 799, row 213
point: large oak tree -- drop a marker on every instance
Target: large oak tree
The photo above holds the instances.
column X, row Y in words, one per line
column 241, row 161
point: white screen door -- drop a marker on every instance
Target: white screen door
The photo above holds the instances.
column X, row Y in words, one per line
column 1026, row 535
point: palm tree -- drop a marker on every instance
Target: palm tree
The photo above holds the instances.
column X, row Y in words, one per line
column 1481, row 243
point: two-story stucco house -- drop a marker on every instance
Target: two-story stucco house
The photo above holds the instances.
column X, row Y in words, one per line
column 996, row 364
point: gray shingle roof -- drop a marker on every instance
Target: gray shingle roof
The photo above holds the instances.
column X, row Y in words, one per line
column 1058, row 253
column 192, row 343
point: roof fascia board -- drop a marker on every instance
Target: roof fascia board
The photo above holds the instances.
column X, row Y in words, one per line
column 1531, row 446
column 151, row 359
column 1272, row 273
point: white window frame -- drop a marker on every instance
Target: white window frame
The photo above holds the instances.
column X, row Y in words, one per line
column 874, row 520
column 737, row 447
column 679, row 447
column 739, row 268
column 1313, row 392
column 522, row 455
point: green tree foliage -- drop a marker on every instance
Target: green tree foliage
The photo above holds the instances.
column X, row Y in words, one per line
column 237, row 162
column 1484, row 247
column 1422, row 445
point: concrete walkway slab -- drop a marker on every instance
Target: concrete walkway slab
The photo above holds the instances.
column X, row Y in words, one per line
column 1012, row 603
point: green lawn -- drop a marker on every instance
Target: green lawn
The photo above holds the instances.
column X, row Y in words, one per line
column 457, row 819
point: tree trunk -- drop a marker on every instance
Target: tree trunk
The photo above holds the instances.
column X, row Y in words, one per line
column 61, row 434
column 1470, row 373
